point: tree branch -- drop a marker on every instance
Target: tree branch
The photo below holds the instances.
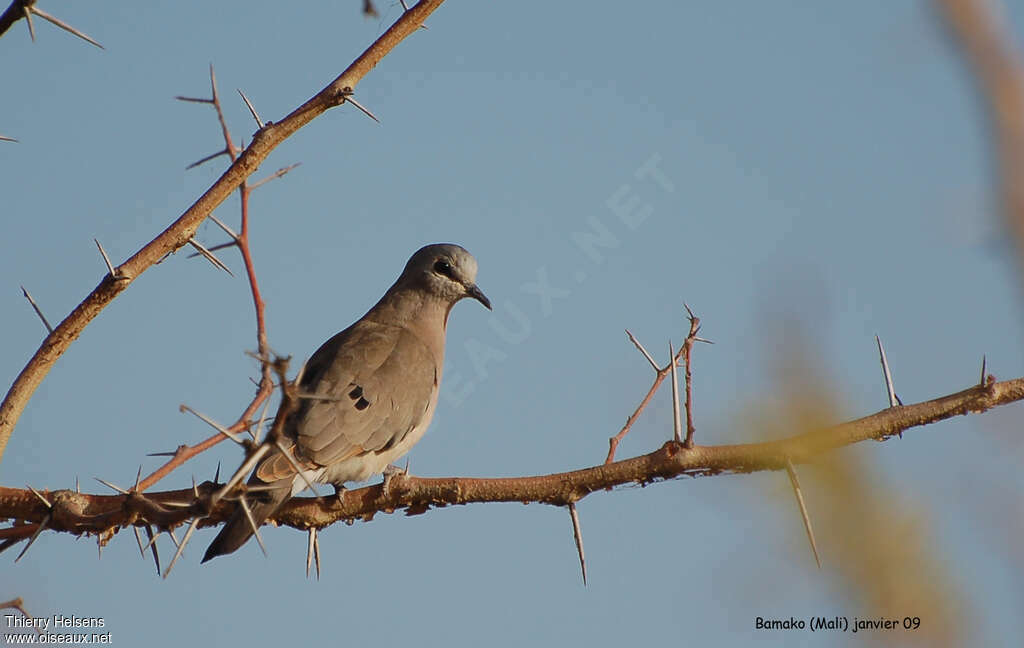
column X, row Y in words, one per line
column 78, row 513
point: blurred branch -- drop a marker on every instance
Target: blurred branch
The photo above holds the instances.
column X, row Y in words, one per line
column 184, row 228
column 19, row 605
column 77, row 513
column 999, row 73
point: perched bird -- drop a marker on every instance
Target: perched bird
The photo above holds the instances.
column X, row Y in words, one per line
column 375, row 387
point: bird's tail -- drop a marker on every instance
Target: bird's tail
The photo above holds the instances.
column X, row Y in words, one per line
column 237, row 530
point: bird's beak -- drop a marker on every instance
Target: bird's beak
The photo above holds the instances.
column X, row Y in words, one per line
column 477, row 294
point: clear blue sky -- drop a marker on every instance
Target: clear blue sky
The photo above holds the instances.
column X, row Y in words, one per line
column 824, row 167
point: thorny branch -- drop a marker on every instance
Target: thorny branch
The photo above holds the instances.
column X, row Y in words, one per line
column 103, row 515
column 660, row 373
column 184, row 228
column 241, row 241
column 208, row 504
column 19, row 9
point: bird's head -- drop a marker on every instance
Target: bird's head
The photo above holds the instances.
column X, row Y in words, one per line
column 446, row 271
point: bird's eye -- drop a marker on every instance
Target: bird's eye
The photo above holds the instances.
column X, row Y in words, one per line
column 443, row 267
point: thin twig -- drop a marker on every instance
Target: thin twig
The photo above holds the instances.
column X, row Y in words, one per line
column 677, row 425
column 660, row 374
column 42, row 525
column 209, row 157
column 210, row 256
column 181, row 545
column 214, row 424
column 257, row 430
column 275, row 175
column 687, row 352
column 111, row 486
column 352, row 100
column 259, row 122
column 63, row 25
column 138, row 539
column 45, row 501
column 28, row 18
column 214, row 248
column 316, row 553
column 106, row 259
column 202, row 100
column 227, row 230
column 242, row 471
column 636, row 343
column 577, row 535
column 309, row 550
column 296, row 467
column 885, row 373
column 156, row 555
column 252, row 523
column 795, row 483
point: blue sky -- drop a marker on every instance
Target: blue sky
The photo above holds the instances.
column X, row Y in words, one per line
column 823, row 175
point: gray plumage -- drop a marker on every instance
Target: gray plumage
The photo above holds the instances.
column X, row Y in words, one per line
column 377, row 383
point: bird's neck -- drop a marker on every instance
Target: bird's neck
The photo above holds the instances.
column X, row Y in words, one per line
column 420, row 313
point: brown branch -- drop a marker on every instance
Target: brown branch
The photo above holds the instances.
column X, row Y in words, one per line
column 241, row 241
column 103, row 514
column 659, row 376
column 19, row 605
column 687, row 352
column 999, row 73
column 180, row 231
column 660, row 373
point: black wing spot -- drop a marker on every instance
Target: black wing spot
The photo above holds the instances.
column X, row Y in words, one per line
column 357, row 395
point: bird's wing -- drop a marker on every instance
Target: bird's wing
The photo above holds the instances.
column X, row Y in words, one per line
column 380, row 379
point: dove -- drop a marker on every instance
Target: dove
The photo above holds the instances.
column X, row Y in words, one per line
column 373, row 389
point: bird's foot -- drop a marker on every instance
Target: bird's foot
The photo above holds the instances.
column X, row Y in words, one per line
column 392, row 472
column 339, row 492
